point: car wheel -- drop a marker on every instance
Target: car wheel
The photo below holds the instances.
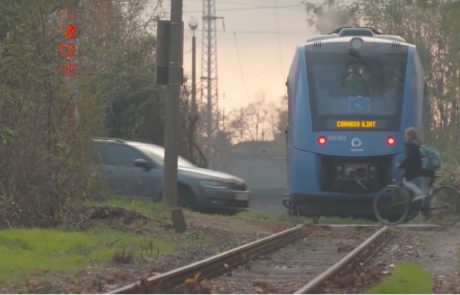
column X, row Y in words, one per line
column 186, row 198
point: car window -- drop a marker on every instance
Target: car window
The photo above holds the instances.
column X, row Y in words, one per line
column 120, row 155
column 98, row 153
column 157, row 153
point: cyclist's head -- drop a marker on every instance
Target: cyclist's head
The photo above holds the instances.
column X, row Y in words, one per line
column 411, row 135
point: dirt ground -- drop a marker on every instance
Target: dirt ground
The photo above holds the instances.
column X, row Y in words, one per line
column 437, row 249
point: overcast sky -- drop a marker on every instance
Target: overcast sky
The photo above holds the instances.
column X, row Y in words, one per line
column 264, row 58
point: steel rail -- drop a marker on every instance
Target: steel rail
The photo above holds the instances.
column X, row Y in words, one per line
column 314, row 284
column 213, row 265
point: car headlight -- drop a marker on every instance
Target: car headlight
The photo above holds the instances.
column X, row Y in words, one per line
column 213, row 184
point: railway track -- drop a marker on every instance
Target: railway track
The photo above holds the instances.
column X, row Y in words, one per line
column 290, row 261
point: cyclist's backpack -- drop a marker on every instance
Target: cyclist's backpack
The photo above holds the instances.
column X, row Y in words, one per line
column 431, row 160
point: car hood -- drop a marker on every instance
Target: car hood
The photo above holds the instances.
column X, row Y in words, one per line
column 202, row 173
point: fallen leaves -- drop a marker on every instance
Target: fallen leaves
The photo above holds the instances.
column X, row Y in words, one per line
column 264, row 287
column 446, row 284
column 354, row 279
column 344, row 248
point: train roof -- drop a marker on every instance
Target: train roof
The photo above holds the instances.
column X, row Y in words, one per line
column 358, row 32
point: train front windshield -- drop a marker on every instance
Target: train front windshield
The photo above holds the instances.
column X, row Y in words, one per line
column 356, row 90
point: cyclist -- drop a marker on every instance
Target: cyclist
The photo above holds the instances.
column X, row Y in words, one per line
column 412, row 165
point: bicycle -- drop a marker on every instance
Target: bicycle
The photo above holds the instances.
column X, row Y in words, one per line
column 395, row 204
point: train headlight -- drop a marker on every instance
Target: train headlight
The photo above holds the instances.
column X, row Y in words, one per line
column 356, row 43
column 391, row 140
column 322, row 140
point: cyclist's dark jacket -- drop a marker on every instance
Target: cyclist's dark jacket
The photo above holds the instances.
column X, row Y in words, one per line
column 413, row 162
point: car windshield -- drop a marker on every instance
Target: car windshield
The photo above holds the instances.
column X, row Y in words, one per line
column 157, row 153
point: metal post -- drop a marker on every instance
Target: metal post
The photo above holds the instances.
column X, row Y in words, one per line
column 209, row 90
column 172, row 104
column 194, row 106
column 194, row 113
column 210, row 73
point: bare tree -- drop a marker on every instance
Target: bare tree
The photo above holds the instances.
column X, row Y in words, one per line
column 254, row 121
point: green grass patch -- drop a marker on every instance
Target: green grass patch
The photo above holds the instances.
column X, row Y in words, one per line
column 255, row 216
column 406, row 279
column 23, row 251
column 155, row 211
column 264, row 216
column 148, row 208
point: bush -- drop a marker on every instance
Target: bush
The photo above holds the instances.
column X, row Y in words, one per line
column 406, row 279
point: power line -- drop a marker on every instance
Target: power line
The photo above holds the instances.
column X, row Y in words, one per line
column 280, row 49
column 264, row 70
column 241, row 66
column 250, row 8
column 263, row 32
column 241, row 3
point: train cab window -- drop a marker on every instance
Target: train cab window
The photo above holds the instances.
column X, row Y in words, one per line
column 356, row 81
column 350, row 86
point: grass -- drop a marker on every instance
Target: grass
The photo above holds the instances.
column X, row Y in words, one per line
column 148, row 208
column 39, row 252
column 159, row 210
column 406, row 279
column 25, row 251
column 155, row 211
column 345, row 220
column 264, row 216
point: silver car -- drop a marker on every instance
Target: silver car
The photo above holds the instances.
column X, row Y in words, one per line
column 135, row 169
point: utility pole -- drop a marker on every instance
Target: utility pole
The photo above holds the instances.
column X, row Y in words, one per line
column 209, row 71
column 170, row 48
column 193, row 25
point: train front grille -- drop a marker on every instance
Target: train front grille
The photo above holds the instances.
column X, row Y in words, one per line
column 355, row 175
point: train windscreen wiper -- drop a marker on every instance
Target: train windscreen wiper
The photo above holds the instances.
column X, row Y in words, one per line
column 356, row 54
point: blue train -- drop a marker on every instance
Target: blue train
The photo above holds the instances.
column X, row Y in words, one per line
column 351, row 95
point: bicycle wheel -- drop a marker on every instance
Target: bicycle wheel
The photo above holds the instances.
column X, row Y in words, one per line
column 445, row 206
column 391, row 205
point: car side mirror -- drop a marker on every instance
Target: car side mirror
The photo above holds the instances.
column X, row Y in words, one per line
column 141, row 163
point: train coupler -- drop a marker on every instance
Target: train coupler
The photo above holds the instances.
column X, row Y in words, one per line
column 290, row 205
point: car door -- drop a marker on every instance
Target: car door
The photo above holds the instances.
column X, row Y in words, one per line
column 98, row 165
column 126, row 179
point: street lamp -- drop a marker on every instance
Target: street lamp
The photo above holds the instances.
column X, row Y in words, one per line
column 193, row 25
